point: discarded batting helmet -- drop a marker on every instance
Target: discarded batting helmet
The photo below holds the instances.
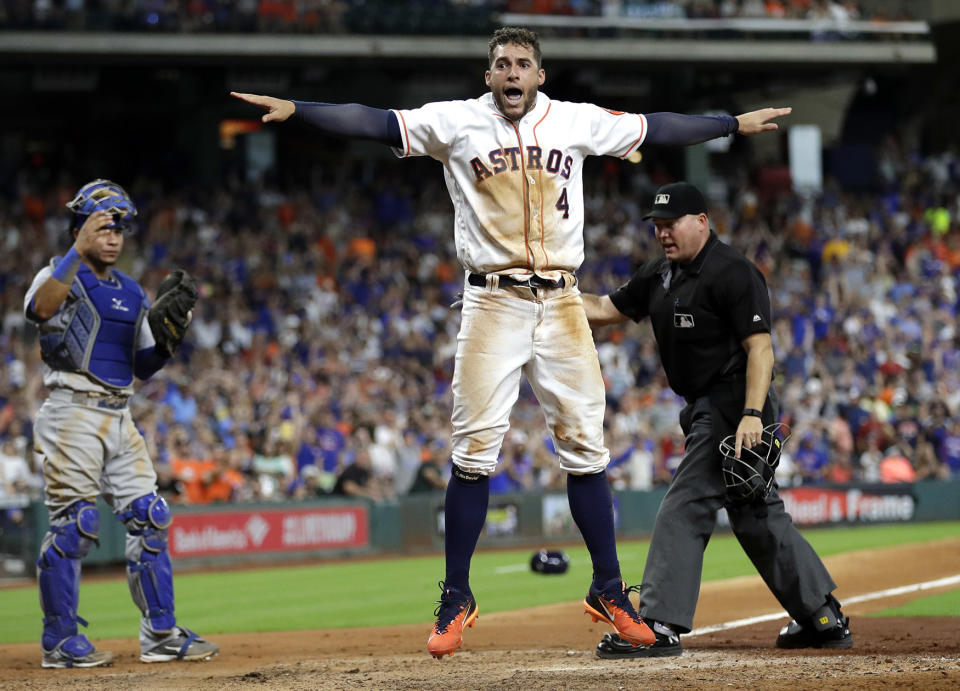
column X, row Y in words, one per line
column 546, row 561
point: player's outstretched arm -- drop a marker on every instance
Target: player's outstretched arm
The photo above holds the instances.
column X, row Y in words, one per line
column 757, row 121
column 341, row 119
column 674, row 129
column 278, row 110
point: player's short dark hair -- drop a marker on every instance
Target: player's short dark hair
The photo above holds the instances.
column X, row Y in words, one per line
column 517, row 35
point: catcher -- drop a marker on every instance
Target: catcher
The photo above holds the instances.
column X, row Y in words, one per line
column 710, row 312
column 98, row 331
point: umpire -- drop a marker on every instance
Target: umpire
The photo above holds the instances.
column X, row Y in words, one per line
column 710, row 313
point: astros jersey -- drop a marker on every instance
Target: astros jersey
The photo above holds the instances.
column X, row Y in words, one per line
column 517, row 188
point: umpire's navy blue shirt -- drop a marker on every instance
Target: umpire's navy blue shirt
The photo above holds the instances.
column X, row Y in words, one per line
column 700, row 317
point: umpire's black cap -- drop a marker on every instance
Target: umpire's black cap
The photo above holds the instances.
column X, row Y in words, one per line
column 675, row 200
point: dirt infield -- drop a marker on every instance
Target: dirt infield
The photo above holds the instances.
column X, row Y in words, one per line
column 552, row 647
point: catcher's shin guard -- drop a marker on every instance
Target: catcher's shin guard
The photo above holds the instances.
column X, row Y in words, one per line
column 149, row 572
column 58, row 570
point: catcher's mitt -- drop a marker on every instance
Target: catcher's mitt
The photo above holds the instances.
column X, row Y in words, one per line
column 170, row 314
column 749, row 479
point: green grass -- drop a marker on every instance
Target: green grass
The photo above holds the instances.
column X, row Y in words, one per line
column 942, row 605
column 393, row 591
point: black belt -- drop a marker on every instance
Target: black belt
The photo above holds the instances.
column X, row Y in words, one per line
column 480, row 280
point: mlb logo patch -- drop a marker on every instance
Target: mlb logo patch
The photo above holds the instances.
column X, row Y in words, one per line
column 683, row 321
column 662, row 199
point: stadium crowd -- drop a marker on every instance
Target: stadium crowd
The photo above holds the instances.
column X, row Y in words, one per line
column 401, row 16
column 320, row 356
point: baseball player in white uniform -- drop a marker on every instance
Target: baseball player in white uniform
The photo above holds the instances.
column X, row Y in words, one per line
column 513, row 162
column 94, row 338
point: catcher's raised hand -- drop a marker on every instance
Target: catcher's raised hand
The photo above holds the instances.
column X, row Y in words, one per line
column 278, row 109
column 170, row 315
column 96, row 224
column 757, row 121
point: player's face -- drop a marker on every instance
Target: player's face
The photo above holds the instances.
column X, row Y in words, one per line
column 682, row 238
column 514, row 78
column 107, row 244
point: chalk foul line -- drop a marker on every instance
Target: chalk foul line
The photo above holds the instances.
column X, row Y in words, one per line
column 877, row 595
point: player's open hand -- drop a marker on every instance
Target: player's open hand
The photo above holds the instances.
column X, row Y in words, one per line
column 278, row 109
column 757, row 121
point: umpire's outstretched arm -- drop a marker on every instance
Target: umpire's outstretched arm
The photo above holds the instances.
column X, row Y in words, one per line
column 601, row 311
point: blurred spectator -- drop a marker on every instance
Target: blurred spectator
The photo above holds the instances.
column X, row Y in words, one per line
column 636, row 469
column 357, row 480
column 950, row 448
column 514, row 471
column 275, row 468
column 928, row 466
column 430, row 475
column 408, row 462
column 191, row 472
column 16, row 478
column 786, row 475
column 870, row 462
column 895, row 467
column 810, row 459
column 227, row 482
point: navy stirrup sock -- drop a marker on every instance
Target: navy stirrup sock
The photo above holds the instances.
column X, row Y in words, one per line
column 465, row 511
column 591, row 504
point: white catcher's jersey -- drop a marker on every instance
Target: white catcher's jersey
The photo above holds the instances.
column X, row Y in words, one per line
column 517, row 188
column 54, row 379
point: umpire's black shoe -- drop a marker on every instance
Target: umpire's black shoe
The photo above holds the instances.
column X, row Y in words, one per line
column 612, row 647
column 827, row 628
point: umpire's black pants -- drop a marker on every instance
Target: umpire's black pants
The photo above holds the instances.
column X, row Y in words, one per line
column 686, row 519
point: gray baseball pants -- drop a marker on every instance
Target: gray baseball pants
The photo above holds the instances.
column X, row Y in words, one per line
column 686, row 519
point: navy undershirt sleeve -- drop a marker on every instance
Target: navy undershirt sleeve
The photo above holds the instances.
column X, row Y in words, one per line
column 351, row 120
column 674, row 129
column 147, row 363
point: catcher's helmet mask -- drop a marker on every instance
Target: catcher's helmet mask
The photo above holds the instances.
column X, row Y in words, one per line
column 103, row 195
column 750, row 478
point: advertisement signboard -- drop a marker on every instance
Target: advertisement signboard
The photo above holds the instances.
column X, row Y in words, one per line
column 268, row 530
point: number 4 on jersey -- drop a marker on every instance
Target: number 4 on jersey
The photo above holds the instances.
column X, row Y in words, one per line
column 562, row 203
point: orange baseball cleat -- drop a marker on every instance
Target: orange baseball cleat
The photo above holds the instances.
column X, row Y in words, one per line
column 455, row 611
column 612, row 605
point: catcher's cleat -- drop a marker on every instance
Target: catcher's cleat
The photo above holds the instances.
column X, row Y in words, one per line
column 76, row 651
column 827, row 628
column 455, row 611
column 183, row 644
column 612, row 647
column 612, row 605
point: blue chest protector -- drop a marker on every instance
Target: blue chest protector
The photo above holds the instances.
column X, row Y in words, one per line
column 97, row 332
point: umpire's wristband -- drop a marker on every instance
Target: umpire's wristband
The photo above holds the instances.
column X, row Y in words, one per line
column 752, row 412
